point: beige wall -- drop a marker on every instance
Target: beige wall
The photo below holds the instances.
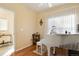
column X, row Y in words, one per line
column 25, row 24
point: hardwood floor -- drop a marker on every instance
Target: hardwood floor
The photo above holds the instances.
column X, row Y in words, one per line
column 29, row 52
column 26, row 52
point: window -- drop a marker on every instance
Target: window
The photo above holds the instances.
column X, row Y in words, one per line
column 63, row 22
column 3, row 24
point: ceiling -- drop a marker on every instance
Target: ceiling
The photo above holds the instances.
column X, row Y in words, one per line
column 42, row 6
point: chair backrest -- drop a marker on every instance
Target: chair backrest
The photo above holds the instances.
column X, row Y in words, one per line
column 53, row 40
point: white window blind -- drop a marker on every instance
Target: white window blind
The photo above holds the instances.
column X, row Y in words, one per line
column 64, row 21
column 3, row 24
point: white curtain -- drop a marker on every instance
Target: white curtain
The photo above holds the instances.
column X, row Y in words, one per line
column 64, row 21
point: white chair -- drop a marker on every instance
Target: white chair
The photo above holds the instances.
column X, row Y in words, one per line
column 51, row 41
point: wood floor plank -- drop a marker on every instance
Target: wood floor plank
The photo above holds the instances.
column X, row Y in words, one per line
column 26, row 52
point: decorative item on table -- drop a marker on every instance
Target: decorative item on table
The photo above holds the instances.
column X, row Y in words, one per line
column 66, row 32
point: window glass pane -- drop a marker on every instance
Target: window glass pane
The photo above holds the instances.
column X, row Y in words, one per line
column 3, row 24
column 63, row 23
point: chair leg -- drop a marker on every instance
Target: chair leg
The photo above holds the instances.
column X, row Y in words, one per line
column 54, row 50
column 48, row 51
column 37, row 48
column 41, row 50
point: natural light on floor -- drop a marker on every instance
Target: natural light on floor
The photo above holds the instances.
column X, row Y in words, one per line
column 6, row 50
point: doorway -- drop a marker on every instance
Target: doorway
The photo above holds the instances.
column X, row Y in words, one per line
column 7, row 37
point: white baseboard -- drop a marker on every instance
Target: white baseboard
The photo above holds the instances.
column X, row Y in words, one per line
column 24, row 47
